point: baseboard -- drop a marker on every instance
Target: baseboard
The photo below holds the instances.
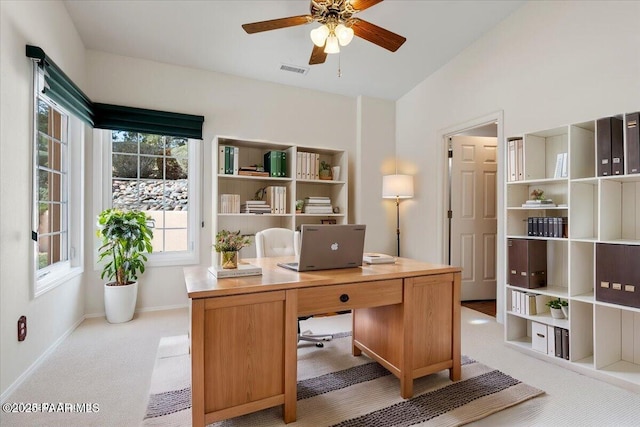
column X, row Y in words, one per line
column 143, row 310
column 38, row 361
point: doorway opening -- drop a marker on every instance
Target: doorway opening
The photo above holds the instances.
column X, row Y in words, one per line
column 471, row 219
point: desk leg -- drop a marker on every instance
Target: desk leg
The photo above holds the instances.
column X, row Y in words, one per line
column 197, row 363
column 290, row 356
column 406, row 368
column 354, row 350
column 456, row 371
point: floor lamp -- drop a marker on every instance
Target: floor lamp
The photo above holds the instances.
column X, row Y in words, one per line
column 397, row 187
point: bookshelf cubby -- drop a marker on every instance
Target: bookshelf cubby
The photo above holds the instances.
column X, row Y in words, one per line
column 604, row 337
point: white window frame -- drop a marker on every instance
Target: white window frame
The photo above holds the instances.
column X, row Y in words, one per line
column 102, row 200
column 46, row 279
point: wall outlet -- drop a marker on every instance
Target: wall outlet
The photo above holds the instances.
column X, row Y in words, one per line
column 22, row 328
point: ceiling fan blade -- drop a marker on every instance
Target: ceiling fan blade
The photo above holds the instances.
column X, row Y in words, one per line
column 318, row 56
column 377, row 35
column 364, row 4
column 274, row 24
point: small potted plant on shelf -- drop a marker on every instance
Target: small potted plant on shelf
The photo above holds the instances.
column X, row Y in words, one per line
column 555, row 305
column 325, row 170
column 299, row 205
column 228, row 243
column 537, row 194
column 126, row 236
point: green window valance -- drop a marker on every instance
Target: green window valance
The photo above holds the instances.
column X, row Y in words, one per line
column 61, row 89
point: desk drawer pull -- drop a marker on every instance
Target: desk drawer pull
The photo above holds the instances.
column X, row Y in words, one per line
column 344, row 297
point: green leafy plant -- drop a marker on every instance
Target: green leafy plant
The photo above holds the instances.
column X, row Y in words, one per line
column 230, row 241
column 126, row 236
column 555, row 303
column 324, row 166
column 299, row 204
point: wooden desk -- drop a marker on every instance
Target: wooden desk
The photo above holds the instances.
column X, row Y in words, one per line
column 406, row 316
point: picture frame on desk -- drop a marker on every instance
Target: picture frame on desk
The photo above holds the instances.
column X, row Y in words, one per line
column 328, row 221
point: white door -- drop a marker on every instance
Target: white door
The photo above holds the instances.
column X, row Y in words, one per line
column 474, row 222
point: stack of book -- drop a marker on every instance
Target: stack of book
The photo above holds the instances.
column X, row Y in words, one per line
column 317, row 205
column 252, row 171
column 242, row 270
column 534, row 204
column 229, row 203
column 277, row 198
column 255, row 206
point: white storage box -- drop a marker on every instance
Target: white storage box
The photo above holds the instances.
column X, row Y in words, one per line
column 539, row 337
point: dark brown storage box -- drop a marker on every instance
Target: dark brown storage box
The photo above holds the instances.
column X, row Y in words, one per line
column 527, row 263
column 618, row 274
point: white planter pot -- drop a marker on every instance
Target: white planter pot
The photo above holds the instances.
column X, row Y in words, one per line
column 556, row 313
column 120, row 302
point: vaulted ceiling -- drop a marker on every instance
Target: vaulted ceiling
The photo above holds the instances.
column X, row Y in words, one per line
column 208, row 35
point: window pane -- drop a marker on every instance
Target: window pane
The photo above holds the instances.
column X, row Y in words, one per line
column 124, row 166
column 151, row 167
column 175, row 240
column 151, row 144
column 43, row 117
column 43, row 150
column 124, row 142
column 151, row 195
column 125, row 194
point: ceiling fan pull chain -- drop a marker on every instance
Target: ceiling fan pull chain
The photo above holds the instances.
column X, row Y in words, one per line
column 339, row 70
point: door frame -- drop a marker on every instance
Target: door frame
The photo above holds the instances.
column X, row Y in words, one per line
column 443, row 136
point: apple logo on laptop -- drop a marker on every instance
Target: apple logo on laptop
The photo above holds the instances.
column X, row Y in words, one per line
column 334, row 246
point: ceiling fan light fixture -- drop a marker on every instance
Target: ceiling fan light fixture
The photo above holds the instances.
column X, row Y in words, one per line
column 319, row 35
column 332, row 45
column 344, row 34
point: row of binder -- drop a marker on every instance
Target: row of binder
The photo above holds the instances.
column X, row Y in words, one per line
column 552, row 340
column 610, row 145
column 548, row 226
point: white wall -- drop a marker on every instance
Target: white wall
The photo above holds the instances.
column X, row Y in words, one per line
column 549, row 64
column 375, row 157
column 232, row 106
column 50, row 316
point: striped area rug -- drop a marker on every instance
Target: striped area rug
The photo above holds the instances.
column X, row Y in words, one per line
column 337, row 389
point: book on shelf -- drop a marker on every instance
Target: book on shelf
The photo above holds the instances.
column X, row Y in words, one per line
column 633, row 143
column 515, row 160
column 228, row 159
column 252, row 172
column 536, row 204
column 255, row 206
column 318, row 200
column 276, row 196
column 275, row 163
column 242, row 270
column 229, row 203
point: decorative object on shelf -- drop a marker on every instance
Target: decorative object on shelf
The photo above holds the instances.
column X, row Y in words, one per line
column 555, row 305
column 397, row 187
column 228, row 243
column 328, row 221
column 564, row 305
column 335, row 173
column 125, row 237
column 537, row 194
column 299, row 205
column 325, row 170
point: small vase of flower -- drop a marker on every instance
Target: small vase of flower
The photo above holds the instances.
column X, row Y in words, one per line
column 228, row 243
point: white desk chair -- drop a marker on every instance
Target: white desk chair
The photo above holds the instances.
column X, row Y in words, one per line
column 274, row 242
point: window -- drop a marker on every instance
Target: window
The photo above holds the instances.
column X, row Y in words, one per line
column 55, row 241
column 157, row 174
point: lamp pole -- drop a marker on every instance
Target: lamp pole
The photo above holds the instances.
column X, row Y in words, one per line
column 398, row 222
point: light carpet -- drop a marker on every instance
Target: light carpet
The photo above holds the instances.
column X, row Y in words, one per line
column 337, row 389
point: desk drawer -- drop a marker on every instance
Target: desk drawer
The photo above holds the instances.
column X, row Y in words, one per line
column 324, row 299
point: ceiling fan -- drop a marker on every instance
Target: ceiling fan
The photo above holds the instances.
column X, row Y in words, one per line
column 338, row 27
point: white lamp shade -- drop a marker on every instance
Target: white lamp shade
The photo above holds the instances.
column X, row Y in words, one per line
column 319, row 35
column 400, row 186
column 332, row 45
column 344, row 34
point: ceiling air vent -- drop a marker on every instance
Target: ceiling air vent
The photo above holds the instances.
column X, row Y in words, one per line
column 294, row 69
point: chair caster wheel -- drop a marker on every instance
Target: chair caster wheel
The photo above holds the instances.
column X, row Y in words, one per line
column 319, row 344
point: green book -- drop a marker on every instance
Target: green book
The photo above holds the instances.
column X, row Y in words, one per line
column 271, row 163
column 283, row 163
column 228, row 161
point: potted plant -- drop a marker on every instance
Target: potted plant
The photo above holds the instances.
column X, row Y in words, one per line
column 125, row 236
column 325, row 170
column 555, row 305
column 299, row 205
column 228, row 243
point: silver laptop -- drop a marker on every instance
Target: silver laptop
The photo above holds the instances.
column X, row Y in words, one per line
column 325, row 247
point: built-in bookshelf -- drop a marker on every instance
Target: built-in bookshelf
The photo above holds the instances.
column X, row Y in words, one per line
column 604, row 338
column 296, row 185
